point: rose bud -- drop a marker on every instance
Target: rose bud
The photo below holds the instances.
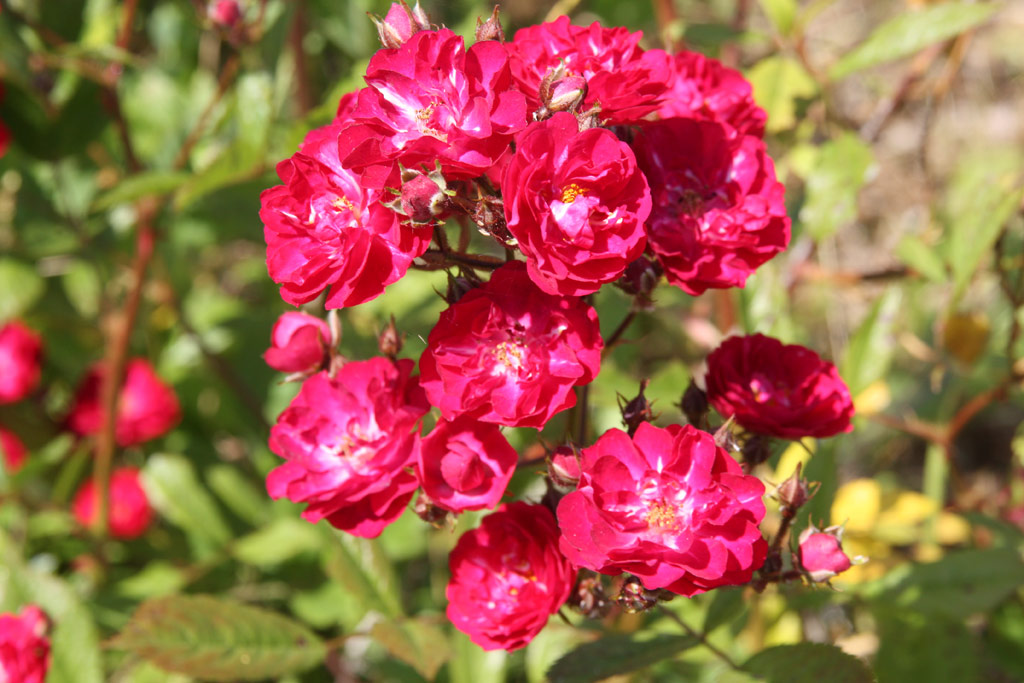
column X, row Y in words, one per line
column 424, row 198
column 400, row 24
column 695, row 405
column 390, row 341
column 755, row 450
column 821, row 554
column 564, row 468
column 640, row 279
column 20, row 355
column 13, row 451
column 637, row 410
column 299, row 343
column 490, row 29
column 225, row 13
column 24, row 646
column 129, row 514
column 795, row 491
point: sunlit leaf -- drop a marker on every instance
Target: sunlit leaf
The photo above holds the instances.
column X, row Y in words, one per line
column 808, row 663
column 418, row 642
column 778, row 83
column 614, row 655
column 842, row 168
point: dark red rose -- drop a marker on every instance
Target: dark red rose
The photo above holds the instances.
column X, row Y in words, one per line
column 718, row 211
column 21, row 352
column 350, row 443
column 24, row 646
column 129, row 514
column 576, row 203
column 669, row 507
column 702, row 88
column 777, row 389
column 508, row 577
column 13, row 451
column 510, row 354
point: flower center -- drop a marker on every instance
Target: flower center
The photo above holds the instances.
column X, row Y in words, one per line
column 662, row 515
column 510, row 355
column 765, row 391
column 571, row 192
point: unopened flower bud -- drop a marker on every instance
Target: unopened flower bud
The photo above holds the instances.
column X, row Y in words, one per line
column 390, row 341
column 795, row 491
column 567, row 94
column 424, row 197
column 430, row 513
column 224, row 13
column 756, row 449
column 724, row 438
column 490, row 29
column 821, row 553
column 637, row 410
column 694, row 405
column 564, row 468
column 457, row 287
column 400, row 24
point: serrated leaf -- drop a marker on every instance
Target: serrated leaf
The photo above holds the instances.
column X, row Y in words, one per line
column 20, row 287
column 778, row 83
column 842, row 168
column 364, row 570
column 83, row 288
column 922, row 258
column 912, row 31
column 219, row 640
column 870, row 350
column 808, row 663
column 147, row 184
column 417, row 642
column 943, row 649
column 176, row 493
column 278, row 542
column 957, row 586
column 614, row 655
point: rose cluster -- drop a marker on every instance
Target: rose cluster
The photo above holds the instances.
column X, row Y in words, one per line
column 584, row 160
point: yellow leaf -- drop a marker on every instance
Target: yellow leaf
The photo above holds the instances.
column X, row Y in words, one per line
column 794, row 454
column 951, row 529
column 873, row 399
column 857, row 504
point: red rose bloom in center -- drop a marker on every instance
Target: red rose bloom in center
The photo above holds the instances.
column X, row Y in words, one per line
column 510, row 354
column 668, row 506
column 577, row 204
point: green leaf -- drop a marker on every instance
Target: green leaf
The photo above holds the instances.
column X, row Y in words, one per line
column 808, row 663
column 782, row 14
column 146, row 184
column 614, row 655
column 83, row 287
column 238, row 494
column 278, row 542
column 176, row 493
column 843, row 166
column 217, row 639
column 20, row 287
column 156, row 579
column 727, row 604
column 910, row 32
column 364, row 570
column 417, row 642
column 943, row 649
column 957, row 586
column 870, row 350
column 922, row 258
column 778, row 83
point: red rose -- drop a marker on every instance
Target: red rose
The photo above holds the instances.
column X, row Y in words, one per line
column 510, row 354
column 324, row 229
column 129, row 514
column 225, row 13
column 299, row 342
column 702, row 88
column 349, row 443
column 718, row 210
column 432, row 100
column 465, row 465
column 576, row 203
column 777, row 389
column 668, row 506
column 147, row 408
column 21, row 352
column 821, row 553
column 5, row 135
column 24, row 647
column 13, row 451
column 626, row 82
column 508, row 577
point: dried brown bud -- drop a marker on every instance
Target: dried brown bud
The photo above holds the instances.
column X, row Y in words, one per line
column 756, row 449
column 590, row 599
column 430, row 513
column 390, row 341
column 490, row 29
column 639, row 280
column 694, row 405
column 795, row 491
column 637, row 410
column 633, row 597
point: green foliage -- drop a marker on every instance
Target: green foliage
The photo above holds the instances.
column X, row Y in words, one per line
column 807, row 663
column 218, row 639
column 613, row 655
column 842, row 168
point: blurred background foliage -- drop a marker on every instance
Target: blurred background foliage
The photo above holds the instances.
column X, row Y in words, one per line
column 896, row 127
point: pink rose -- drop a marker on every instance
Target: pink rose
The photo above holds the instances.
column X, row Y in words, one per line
column 508, row 577
column 718, row 209
column 821, row 553
column 299, row 342
column 129, row 514
column 147, row 408
column 400, row 24
column 510, row 354
column 576, row 203
column 324, row 229
column 21, row 353
column 702, row 88
column 24, row 646
column 564, row 468
column 13, row 451
column 350, row 443
column 668, row 506
column 777, row 389
column 626, row 82
column 225, row 13
column 432, row 100
column 465, row 465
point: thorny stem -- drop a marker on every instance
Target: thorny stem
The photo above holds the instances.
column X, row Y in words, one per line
column 436, row 260
column 701, row 637
column 614, row 337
